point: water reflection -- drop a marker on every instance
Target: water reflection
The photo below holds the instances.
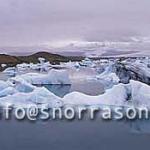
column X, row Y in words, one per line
column 59, row 90
column 140, row 126
column 90, row 88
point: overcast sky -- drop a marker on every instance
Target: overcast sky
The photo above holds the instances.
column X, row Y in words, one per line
column 32, row 22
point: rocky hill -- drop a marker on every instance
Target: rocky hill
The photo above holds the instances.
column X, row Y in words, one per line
column 52, row 58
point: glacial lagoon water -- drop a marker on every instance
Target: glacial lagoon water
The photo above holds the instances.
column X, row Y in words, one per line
column 75, row 135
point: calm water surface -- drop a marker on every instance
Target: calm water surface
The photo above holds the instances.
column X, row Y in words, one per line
column 74, row 135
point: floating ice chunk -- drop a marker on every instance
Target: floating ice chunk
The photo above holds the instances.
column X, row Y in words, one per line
column 53, row 77
column 21, row 85
column 108, row 80
column 43, row 96
column 40, row 96
column 77, row 65
column 3, row 65
column 111, row 77
column 8, row 91
column 41, row 60
column 140, row 93
column 115, row 96
column 11, row 71
column 135, row 94
column 59, row 77
column 42, row 66
column 3, row 85
column 23, row 67
column 108, row 77
column 87, row 63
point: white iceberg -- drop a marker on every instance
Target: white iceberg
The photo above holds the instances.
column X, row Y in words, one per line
column 108, row 77
column 13, row 86
column 53, row 77
column 8, row 91
column 87, row 63
column 3, row 65
column 10, row 71
column 40, row 96
column 115, row 96
column 3, row 85
column 135, row 94
column 20, row 85
column 43, row 66
column 111, row 78
column 18, row 91
column 41, row 60
column 140, row 93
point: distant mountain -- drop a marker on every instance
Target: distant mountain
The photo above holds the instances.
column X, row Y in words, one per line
column 52, row 58
column 7, row 59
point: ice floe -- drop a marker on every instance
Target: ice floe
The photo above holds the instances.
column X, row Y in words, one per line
column 10, row 71
column 3, row 85
column 135, row 94
column 7, row 91
column 53, row 77
column 87, row 63
column 115, row 96
column 108, row 80
column 3, row 65
column 21, row 85
column 40, row 96
column 140, row 93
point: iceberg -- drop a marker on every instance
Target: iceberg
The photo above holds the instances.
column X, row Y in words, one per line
column 8, row 91
column 10, row 71
column 20, row 85
column 40, row 96
column 42, row 66
column 3, row 65
column 133, row 94
column 43, row 96
column 136, row 69
column 140, row 93
column 115, row 96
column 19, row 91
column 108, row 77
column 3, row 85
column 87, row 63
column 53, row 77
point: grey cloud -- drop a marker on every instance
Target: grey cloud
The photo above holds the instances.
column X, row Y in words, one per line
column 36, row 21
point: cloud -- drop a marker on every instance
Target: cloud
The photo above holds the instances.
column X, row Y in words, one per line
column 27, row 22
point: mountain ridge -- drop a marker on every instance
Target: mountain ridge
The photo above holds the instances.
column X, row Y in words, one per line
column 12, row 60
